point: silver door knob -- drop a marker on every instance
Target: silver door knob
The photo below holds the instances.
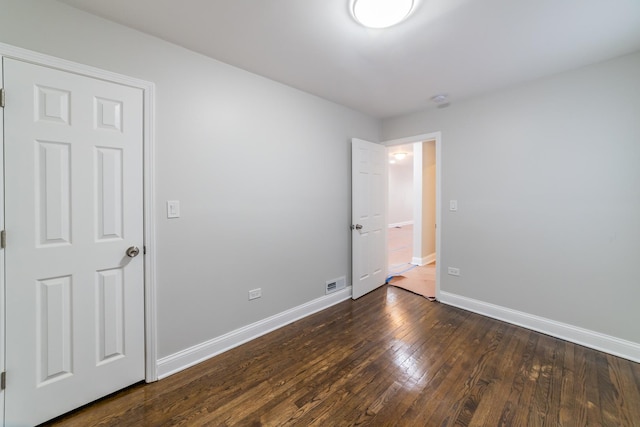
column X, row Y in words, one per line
column 357, row 227
column 133, row 251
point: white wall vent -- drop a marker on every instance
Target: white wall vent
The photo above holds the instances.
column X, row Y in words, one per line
column 336, row 284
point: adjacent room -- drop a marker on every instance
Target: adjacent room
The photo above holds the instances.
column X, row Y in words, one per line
column 411, row 237
column 198, row 225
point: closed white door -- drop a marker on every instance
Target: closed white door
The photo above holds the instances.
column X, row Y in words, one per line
column 369, row 216
column 74, row 297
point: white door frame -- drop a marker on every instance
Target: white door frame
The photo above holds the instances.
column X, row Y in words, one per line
column 417, row 220
column 148, row 90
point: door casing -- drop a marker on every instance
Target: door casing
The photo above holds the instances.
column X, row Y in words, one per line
column 437, row 137
column 148, row 90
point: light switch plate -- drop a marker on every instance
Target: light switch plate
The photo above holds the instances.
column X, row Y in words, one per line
column 173, row 209
column 453, row 205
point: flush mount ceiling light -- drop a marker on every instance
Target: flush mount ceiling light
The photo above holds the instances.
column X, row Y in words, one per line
column 400, row 156
column 381, row 13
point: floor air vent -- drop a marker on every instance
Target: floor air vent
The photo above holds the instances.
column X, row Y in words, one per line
column 335, row 284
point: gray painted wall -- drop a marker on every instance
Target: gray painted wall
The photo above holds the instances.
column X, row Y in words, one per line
column 262, row 172
column 547, row 178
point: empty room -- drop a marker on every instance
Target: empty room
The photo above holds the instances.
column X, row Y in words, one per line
column 195, row 213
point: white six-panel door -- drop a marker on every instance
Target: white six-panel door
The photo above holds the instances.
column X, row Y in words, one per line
column 74, row 205
column 369, row 216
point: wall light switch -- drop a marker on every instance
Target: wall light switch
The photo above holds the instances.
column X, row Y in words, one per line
column 173, row 209
column 453, row 205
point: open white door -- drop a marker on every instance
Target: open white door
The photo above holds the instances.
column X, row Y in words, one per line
column 74, row 221
column 369, row 216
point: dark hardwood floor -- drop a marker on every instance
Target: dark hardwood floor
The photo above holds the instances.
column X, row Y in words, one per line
column 391, row 358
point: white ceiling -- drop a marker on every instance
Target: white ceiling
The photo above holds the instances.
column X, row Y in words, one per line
column 459, row 47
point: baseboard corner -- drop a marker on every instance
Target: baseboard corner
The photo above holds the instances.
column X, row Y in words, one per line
column 585, row 337
column 400, row 224
column 424, row 260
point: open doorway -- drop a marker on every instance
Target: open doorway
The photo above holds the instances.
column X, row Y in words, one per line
column 412, row 201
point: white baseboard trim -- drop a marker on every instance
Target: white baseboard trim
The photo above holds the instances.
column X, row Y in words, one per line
column 595, row 340
column 199, row 353
column 400, row 224
column 424, row 260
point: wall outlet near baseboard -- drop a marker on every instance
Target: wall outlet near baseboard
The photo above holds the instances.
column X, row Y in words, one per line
column 255, row 293
column 453, row 271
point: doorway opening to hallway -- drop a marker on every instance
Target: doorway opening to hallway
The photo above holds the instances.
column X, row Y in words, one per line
column 412, row 217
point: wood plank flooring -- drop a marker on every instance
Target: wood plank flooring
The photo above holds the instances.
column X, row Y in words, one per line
column 391, row 358
column 418, row 279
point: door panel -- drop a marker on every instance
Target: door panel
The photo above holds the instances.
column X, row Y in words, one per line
column 109, row 193
column 369, row 189
column 53, row 193
column 110, row 309
column 74, row 299
column 53, row 330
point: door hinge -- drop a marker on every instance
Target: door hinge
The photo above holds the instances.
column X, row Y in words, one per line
column 3, row 239
column 2, row 97
column 3, row 381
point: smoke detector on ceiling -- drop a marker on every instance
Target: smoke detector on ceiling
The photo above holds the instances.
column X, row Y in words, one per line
column 442, row 100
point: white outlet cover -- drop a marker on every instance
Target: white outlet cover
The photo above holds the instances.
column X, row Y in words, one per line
column 255, row 293
column 453, row 271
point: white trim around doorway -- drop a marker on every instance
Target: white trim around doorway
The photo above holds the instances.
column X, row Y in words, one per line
column 437, row 137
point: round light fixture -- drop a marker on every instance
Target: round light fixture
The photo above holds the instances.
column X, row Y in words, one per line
column 381, row 13
column 400, row 156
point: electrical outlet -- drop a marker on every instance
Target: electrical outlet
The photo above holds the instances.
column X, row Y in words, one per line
column 255, row 293
column 453, row 271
